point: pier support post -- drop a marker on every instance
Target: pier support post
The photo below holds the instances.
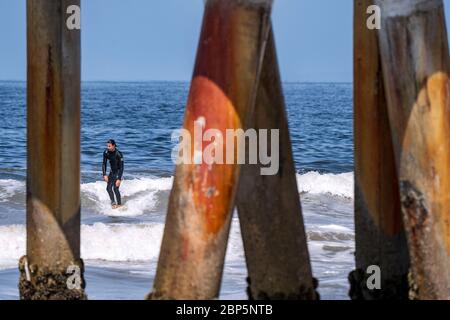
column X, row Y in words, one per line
column 415, row 61
column 222, row 94
column 380, row 237
column 52, row 268
column 269, row 205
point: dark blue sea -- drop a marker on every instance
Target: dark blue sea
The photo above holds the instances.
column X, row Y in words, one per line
column 121, row 247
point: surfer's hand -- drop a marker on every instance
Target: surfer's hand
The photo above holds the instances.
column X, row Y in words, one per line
column 105, row 178
column 118, row 183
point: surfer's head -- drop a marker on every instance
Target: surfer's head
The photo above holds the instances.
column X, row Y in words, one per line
column 111, row 145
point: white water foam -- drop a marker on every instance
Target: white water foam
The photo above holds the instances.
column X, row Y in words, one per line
column 334, row 184
column 109, row 242
column 139, row 196
column 9, row 188
column 12, row 245
column 330, row 232
column 142, row 195
column 121, row 242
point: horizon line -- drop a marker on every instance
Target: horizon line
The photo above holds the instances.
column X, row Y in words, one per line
column 185, row 81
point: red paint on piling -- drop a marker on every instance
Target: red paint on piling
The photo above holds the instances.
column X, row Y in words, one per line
column 213, row 89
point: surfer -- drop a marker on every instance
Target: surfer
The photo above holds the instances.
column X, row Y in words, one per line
column 114, row 179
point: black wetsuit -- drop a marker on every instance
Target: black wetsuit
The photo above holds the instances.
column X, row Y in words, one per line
column 116, row 163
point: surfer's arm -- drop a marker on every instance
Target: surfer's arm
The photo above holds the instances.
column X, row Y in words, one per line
column 104, row 164
column 120, row 164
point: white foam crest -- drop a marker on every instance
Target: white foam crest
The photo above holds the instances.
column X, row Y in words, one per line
column 12, row 244
column 334, row 184
column 10, row 187
column 108, row 242
column 111, row 242
column 329, row 233
column 139, row 195
column 121, row 242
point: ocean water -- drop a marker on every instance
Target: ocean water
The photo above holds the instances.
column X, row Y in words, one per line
column 120, row 248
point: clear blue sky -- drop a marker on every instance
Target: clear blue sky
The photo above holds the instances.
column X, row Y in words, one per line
column 157, row 39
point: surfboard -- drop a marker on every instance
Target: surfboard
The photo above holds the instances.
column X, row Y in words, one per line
column 121, row 207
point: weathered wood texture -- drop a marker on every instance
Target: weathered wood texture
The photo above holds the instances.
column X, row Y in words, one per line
column 415, row 59
column 53, row 158
column 222, row 95
column 269, row 205
column 380, row 237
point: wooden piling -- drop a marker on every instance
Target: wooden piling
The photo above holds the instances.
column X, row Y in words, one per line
column 53, row 158
column 222, row 95
column 415, row 61
column 269, row 205
column 380, row 237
